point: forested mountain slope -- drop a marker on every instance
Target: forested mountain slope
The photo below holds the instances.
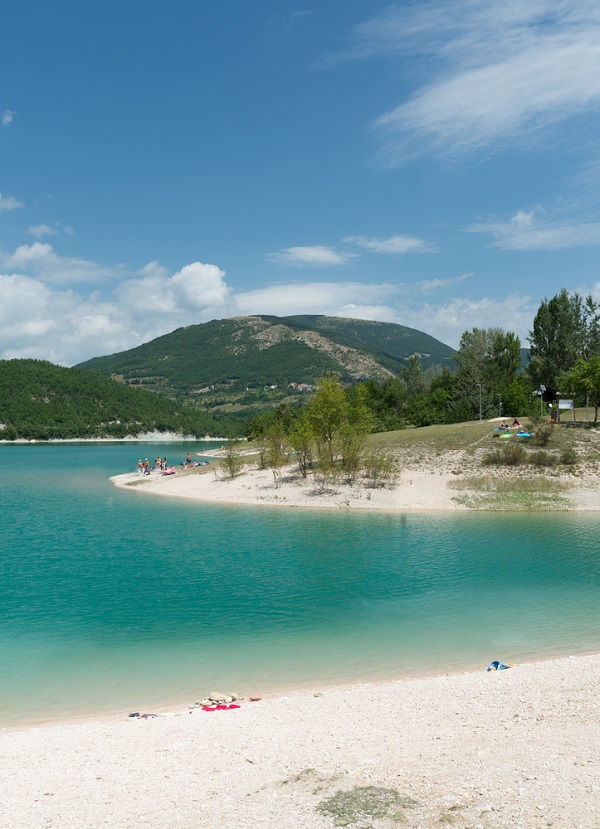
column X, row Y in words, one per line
column 39, row 400
column 232, row 355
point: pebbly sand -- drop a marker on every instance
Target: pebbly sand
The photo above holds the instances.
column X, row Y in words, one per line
column 516, row 748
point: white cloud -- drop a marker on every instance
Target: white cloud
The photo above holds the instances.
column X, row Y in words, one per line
column 381, row 313
column 430, row 286
column 447, row 320
column 66, row 327
column 60, row 326
column 295, row 16
column 7, row 116
column 489, row 72
column 40, row 260
column 196, row 293
column 312, row 297
column 9, row 203
column 533, row 230
column 394, row 244
column 309, row 256
column 40, row 231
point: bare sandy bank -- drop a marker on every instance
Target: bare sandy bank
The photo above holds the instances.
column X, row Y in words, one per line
column 426, row 483
column 516, row 748
column 418, row 490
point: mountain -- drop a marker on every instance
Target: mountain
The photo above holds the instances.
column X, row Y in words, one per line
column 223, row 360
column 41, row 401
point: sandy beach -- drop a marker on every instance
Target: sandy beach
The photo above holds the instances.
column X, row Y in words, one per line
column 418, row 490
column 515, row 748
column 426, row 482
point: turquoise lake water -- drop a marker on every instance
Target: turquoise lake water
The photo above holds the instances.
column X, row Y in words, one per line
column 114, row 600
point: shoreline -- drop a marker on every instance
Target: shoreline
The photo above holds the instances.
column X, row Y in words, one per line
column 515, row 748
column 417, row 490
column 150, row 437
column 169, row 707
column 420, row 488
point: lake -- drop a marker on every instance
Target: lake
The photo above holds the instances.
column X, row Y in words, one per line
column 112, row 600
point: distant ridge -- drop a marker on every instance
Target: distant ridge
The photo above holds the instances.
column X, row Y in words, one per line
column 240, row 352
column 42, row 401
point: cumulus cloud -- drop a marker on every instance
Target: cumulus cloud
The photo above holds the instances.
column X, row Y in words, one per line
column 309, row 256
column 40, row 231
column 489, row 72
column 41, row 261
column 533, row 230
column 60, row 326
column 448, row 319
column 9, row 203
column 194, row 294
column 67, row 327
column 7, row 116
column 44, row 319
column 394, row 244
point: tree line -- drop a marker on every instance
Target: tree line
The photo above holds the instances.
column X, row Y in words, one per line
column 490, row 377
column 43, row 401
column 327, row 438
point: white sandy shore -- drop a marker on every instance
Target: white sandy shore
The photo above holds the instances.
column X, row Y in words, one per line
column 429, row 485
column 518, row 748
column 418, row 490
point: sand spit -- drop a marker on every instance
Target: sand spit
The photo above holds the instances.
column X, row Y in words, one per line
column 419, row 490
column 430, row 483
column 517, row 748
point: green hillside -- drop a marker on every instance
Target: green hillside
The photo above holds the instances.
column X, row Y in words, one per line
column 224, row 360
column 41, row 401
column 392, row 344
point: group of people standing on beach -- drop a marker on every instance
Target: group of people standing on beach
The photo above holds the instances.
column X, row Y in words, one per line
column 159, row 466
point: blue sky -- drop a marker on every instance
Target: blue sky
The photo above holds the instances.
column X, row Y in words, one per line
column 433, row 164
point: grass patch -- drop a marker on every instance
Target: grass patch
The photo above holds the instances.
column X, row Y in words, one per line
column 519, row 494
column 437, row 438
column 360, row 805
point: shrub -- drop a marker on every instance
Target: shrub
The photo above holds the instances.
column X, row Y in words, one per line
column 541, row 458
column 232, row 462
column 511, row 455
column 380, row 469
column 569, row 456
column 544, row 434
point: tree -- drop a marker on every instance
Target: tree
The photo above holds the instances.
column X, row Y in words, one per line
column 302, row 440
column 503, row 359
column 566, row 328
column 340, row 423
column 414, row 376
column 326, row 413
column 489, row 357
column 584, row 380
column 276, row 448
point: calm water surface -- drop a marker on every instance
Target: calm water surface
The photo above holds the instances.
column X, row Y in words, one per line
column 110, row 599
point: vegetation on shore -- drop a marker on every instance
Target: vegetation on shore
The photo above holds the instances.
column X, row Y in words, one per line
column 42, row 401
column 378, row 386
column 327, row 439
